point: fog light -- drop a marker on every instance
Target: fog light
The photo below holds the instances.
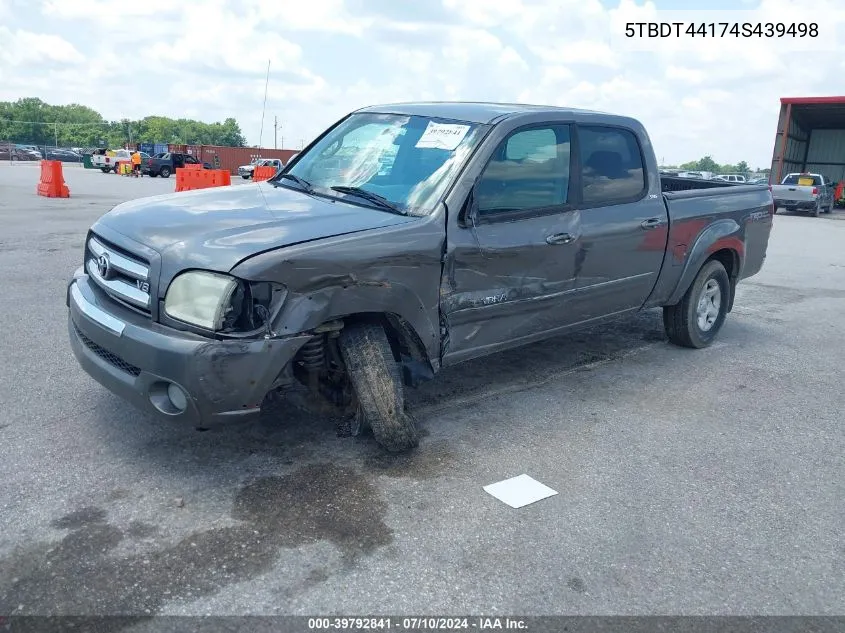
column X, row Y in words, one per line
column 168, row 398
column 177, row 397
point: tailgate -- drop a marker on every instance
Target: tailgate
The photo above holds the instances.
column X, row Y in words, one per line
column 798, row 193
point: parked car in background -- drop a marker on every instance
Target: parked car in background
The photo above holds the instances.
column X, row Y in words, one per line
column 167, row 163
column 32, row 148
column 730, row 178
column 496, row 226
column 10, row 151
column 805, row 192
column 246, row 171
column 63, row 154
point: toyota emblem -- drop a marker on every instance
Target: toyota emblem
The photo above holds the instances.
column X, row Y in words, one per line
column 103, row 266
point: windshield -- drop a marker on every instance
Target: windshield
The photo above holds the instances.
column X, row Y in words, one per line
column 802, row 179
column 408, row 160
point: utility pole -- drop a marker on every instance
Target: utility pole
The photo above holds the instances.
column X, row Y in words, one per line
column 275, row 132
column 264, row 107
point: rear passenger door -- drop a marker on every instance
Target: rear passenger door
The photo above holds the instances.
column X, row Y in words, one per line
column 623, row 227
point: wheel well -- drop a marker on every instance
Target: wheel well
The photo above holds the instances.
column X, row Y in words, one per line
column 404, row 341
column 729, row 258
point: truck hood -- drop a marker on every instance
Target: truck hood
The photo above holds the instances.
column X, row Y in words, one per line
column 216, row 228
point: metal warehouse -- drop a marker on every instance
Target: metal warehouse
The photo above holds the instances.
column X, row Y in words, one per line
column 810, row 137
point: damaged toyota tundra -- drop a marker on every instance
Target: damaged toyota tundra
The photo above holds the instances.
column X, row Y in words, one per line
column 406, row 238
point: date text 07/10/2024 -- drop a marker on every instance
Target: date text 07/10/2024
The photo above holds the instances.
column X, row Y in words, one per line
column 722, row 29
column 418, row 623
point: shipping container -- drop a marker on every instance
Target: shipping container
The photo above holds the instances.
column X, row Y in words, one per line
column 230, row 158
column 810, row 137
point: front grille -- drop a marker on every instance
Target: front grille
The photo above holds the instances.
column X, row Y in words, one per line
column 112, row 359
column 123, row 276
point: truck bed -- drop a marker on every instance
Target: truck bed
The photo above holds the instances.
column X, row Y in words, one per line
column 735, row 216
column 678, row 183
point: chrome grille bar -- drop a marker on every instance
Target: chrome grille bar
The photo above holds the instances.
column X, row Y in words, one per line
column 125, row 279
column 119, row 262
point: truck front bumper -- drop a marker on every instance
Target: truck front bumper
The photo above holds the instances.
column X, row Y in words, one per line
column 172, row 374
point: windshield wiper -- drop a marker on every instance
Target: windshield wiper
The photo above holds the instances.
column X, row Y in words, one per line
column 302, row 183
column 381, row 201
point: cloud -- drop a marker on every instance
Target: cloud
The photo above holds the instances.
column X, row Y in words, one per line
column 20, row 49
column 716, row 96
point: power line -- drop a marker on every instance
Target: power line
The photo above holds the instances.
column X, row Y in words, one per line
column 52, row 122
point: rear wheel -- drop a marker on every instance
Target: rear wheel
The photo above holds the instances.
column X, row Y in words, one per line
column 377, row 380
column 697, row 318
column 816, row 210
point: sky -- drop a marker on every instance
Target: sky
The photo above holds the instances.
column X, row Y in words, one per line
column 208, row 60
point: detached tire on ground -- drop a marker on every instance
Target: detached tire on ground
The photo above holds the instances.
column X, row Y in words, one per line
column 376, row 377
column 697, row 318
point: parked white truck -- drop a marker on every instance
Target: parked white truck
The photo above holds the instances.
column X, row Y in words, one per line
column 245, row 171
column 805, row 192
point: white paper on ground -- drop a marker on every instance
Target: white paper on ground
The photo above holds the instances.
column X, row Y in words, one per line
column 442, row 136
column 519, row 491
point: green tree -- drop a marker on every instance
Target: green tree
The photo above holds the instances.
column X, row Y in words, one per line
column 31, row 120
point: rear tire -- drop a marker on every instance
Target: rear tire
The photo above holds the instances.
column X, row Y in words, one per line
column 815, row 212
column 375, row 375
column 697, row 318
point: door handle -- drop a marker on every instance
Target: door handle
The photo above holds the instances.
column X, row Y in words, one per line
column 651, row 223
column 559, row 238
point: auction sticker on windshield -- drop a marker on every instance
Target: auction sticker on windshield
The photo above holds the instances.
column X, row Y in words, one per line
column 442, row 135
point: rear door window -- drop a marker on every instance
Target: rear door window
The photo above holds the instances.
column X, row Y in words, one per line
column 612, row 170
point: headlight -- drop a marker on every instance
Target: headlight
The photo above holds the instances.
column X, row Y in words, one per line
column 200, row 298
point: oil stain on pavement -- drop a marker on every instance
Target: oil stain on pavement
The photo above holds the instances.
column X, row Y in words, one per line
column 319, row 502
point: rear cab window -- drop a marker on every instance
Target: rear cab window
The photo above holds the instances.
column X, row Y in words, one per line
column 803, row 180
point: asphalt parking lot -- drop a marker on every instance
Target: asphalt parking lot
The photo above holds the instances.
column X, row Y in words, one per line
column 690, row 482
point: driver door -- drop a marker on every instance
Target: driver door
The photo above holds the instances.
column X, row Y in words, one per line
column 510, row 270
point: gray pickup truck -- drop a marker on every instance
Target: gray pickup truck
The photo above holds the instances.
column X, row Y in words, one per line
column 406, row 238
column 810, row 193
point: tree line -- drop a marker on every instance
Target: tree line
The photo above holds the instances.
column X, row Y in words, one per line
column 708, row 164
column 32, row 121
